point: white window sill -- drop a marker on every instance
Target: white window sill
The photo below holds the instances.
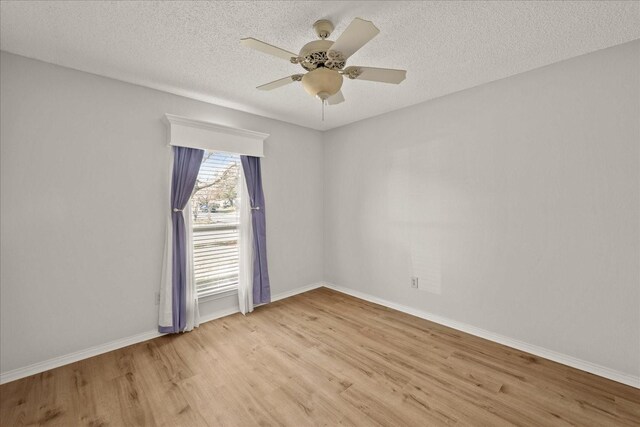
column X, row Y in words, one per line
column 214, row 295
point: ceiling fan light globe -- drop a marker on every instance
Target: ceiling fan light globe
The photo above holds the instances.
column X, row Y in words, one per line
column 322, row 80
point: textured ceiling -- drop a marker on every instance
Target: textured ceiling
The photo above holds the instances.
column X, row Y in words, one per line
column 193, row 48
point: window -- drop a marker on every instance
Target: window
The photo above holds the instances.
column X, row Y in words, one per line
column 215, row 206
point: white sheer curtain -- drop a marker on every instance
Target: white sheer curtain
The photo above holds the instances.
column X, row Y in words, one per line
column 193, row 315
column 245, row 247
column 165, row 313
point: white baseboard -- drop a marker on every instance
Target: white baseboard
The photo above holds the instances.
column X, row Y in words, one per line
column 564, row 359
column 583, row 365
column 296, row 291
column 56, row 362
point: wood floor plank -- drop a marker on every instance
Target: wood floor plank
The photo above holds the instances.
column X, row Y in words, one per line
column 321, row 358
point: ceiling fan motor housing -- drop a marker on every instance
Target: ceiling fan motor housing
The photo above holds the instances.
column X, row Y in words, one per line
column 316, row 54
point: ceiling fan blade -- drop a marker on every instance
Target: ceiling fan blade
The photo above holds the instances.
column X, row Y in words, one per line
column 356, row 35
column 267, row 48
column 384, row 75
column 280, row 82
column 335, row 99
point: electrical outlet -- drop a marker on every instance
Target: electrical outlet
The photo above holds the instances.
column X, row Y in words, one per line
column 414, row 282
column 157, row 298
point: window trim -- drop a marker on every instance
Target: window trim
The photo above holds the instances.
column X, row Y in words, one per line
column 211, row 136
column 215, row 294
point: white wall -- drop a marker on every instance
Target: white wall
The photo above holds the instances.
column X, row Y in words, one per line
column 83, row 173
column 516, row 203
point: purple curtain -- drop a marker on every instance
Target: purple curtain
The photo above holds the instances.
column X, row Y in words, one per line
column 186, row 165
column 253, row 176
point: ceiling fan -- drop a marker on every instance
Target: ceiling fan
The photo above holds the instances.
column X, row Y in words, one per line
column 325, row 60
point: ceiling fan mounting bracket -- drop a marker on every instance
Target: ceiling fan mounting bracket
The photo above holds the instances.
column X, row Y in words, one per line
column 323, row 28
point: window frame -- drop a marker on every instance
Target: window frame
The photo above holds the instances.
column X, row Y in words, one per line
column 214, row 294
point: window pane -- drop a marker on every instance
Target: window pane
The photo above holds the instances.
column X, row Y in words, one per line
column 215, row 206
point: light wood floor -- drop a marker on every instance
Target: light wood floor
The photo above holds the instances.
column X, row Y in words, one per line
column 319, row 358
